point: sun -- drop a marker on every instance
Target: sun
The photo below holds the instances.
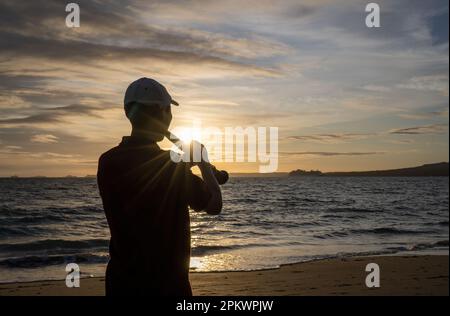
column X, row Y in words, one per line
column 187, row 135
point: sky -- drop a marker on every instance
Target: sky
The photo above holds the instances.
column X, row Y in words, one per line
column 343, row 96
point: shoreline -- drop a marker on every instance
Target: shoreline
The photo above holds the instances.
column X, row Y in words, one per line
column 399, row 275
column 402, row 253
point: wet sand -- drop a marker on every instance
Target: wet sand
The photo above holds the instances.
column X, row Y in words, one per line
column 399, row 275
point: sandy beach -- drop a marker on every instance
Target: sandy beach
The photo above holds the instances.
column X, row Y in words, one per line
column 400, row 275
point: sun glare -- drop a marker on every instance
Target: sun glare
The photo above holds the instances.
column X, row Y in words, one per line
column 187, row 135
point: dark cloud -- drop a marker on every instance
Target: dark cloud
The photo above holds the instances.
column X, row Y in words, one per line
column 419, row 130
column 113, row 32
column 9, row 81
column 327, row 138
column 329, row 153
column 77, row 51
column 33, row 119
column 36, row 90
column 439, row 25
column 54, row 115
column 19, row 16
column 425, row 115
column 401, row 21
column 415, row 130
column 300, row 11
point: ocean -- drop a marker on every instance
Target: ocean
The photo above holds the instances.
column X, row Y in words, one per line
column 46, row 223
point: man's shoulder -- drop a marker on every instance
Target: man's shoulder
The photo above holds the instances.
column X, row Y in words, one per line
column 107, row 155
column 155, row 154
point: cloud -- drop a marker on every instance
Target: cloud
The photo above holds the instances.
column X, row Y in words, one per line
column 425, row 115
column 48, row 157
column 29, row 31
column 331, row 138
column 438, row 83
column 329, row 153
column 12, row 101
column 90, row 53
column 420, row 130
column 300, row 11
column 16, row 152
column 334, row 138
column 376, row 88
column 233, row 11
column 212, row 102
column 53, row 115
column 401, row 141
column 20, row 139
column 229, row 62
column 439, row 27
column 27, row 91
column 44, row 138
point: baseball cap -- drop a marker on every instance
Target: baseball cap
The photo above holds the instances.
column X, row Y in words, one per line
column 148, row 92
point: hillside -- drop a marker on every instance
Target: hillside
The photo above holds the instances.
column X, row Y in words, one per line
column 428, row 170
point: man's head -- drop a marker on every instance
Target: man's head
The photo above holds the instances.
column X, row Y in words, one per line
column 148, row 107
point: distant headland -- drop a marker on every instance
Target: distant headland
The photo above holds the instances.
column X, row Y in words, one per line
column 428, row 170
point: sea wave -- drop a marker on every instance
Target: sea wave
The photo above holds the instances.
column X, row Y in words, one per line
column 202, row 250
column 390, row 231
column 438, row 244
column 353, row 210
column 55, row 244
column 41, row 261
column 37, row 261
column 372, row 231
column 52, row 221
column 87, row 251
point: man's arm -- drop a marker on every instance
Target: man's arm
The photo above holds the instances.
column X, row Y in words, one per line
column 214, row 206
column 203, row 194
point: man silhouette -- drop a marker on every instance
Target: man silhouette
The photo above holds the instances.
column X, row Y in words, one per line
column 146, row 198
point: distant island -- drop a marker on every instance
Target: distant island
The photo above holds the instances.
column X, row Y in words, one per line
column 300, row 172
column 428, row 170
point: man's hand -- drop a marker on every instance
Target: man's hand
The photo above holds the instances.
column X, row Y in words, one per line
column 198, row 153
column 199, row 157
